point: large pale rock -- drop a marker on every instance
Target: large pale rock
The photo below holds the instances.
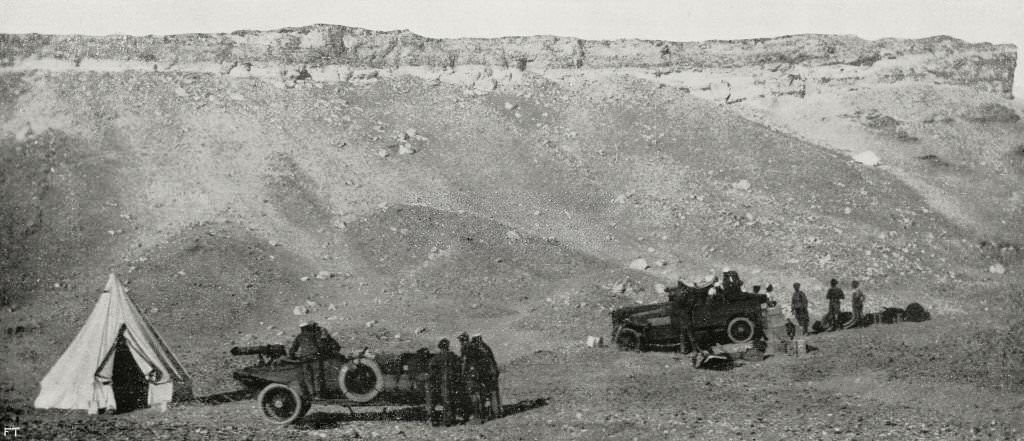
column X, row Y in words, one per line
column 997, row 268
column 867, row 157
column 639, row 264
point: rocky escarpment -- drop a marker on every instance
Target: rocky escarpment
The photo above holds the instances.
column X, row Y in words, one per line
column 845, row 60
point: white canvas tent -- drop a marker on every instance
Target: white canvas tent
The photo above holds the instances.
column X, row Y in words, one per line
column 117, row 356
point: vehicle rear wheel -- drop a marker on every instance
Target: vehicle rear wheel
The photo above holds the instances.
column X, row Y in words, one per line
column 628, row 339
column 281, row 404
column 740, row 330
column 361, row 380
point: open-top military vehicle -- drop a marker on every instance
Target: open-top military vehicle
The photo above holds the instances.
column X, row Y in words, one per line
column 361, row 380
column 737, row 314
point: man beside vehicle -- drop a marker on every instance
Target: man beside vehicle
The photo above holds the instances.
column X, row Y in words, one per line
column 799, row 304
column 681, row 304
column 306, row 350
column 444, row 381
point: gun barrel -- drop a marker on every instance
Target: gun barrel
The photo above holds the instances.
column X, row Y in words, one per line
column 266, row 350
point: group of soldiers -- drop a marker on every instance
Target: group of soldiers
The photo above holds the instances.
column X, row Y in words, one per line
column 465, row 385
column 835, row 297
column 683, row 302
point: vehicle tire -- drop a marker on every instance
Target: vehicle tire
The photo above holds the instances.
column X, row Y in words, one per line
column 740, row 330
column 281, row 404
column 628, row 339
column 361, row 380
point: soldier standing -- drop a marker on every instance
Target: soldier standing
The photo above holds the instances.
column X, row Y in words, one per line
column 444, row 376
column 800, row 308
column 682, row 302
column 835, row 297
column 857, row 298
column 467, row 356
column 306, row 349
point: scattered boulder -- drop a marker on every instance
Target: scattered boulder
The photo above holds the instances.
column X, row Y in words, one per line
column 420, row 330
column 181, row 92
column 300, row 310
column 625, row 285
column 742, row 185
column 659, row 288
column 23, row 133
column 595, row 342
column 997, row 268
column 639, row 264
column 867, row 158
column 406, row 149
column 324, row 275
column 332, row 307
column 370, row 323
column 304, row 278
column 383, row 153
column 513, row 235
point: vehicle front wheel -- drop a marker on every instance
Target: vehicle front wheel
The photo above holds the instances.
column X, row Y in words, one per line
column 628, row 339
column 740, row 330
column 281, row 404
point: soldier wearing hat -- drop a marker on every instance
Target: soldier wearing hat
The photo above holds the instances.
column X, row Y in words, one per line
column 835, row 297
column 799, row 304
column 681, row 304
column 444, row 382
column 857, row 299
column 306, row 350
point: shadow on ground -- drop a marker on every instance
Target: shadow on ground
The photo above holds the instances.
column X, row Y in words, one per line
column 226, row 397
column 324, row 420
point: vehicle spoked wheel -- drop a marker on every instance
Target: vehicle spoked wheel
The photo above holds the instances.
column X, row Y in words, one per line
column 627, row 339
column 281, row 404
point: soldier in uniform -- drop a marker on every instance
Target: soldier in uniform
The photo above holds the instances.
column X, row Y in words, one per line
column 799, row 304
column 306, row 350
column 467, row 356
column 682, row 302
column 835, row 297
column 857, row 299
column 444, row 381
column 480, row 377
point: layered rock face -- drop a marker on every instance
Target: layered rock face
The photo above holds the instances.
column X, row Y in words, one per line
column 786, row 64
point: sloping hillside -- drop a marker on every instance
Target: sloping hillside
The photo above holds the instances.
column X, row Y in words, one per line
column 447, row 201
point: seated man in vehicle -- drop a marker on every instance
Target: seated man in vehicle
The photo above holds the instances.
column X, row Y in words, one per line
column 731, row 284
column 306, row 349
